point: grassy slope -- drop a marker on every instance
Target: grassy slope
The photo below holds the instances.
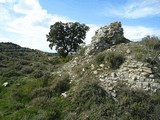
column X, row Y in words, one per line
column 35, row 87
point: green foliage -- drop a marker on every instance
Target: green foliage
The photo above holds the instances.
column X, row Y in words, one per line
column 114, row 59
column 140, row 53
column 27, row 70
column 61, row 85
column 38, row 73
column 100, row 58
column 152, row 42
column 11, row 73
column 147, row 50
column 66, row 36
column 55, row 60
column 36, row 95
column 42, row 92
column 90, row 94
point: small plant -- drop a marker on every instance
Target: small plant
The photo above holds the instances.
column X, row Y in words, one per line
column 152, row 42
column 11, row 73
column 90, row 94
column 27, row 70
column 100, row 58
column 61, row 85
column 38, row 73
column 114, row 59
column 24, row 62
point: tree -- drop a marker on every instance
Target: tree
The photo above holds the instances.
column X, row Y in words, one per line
column 66, row 37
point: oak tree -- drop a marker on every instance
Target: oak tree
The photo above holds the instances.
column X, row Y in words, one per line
column 66, row 37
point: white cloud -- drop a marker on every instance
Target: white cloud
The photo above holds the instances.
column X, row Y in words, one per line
column 28, row 21
column 137, row 32
column 138, row 9
column 4, row 1
column 91, row 33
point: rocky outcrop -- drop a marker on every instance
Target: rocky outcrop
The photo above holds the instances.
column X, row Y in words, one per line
column 133, row 73
column 105, row 37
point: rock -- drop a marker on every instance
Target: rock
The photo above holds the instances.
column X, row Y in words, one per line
column 101, row 65
column 5, row 84
column 102, row 80
column 95, row 72
column 113, row 75
column 64, row 94
column 92, row 67
column 113, row 94
column 128, row 51
column 134, row 78
column 132, row 66
column 151, row 76
column 144, row 74
column 147, row 70
column 110, row 88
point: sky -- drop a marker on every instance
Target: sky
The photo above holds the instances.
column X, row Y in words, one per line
column 26, row 22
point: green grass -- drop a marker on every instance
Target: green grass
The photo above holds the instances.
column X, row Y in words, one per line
column 34, row 92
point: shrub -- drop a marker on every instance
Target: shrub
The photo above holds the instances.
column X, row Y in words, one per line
column 61, row 85
column 90, row 94
column 114, row 59
column 152, row 42
column 66, row 59
column 55, row 60
column 18, row 66
column 11, row 73
column 100, row 58
column 42, row 92
column 39, row 66
column 41, row 102
column 17, row 106
column 37, row 73
column 27, row 70
column 24, row 62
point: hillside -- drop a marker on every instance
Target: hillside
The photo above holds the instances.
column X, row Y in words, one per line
column 111, row 79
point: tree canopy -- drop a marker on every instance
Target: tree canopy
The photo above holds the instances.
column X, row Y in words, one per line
column 66, row 37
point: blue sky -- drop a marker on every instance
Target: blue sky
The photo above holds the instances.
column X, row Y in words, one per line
column 26, row 22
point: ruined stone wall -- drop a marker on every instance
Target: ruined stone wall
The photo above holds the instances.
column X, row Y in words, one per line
column 105, row 37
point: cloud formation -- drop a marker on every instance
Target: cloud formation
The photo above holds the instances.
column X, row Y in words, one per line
column 135, row 33
column 28, row 21
column 138, row 9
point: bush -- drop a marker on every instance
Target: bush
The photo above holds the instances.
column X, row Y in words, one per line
column 89, row 95
column 114, row 59
column 37, row 73
column 100, row 58
column 17, row 106
column 61, row 85
column 42, row 92
column 152, row 42
column 11, row 73
column 41, row 102
column 24, row 62
column 27, row 70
